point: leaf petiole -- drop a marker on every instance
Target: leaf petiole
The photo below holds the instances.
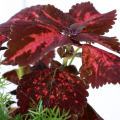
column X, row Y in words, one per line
column 73, row 56
column 20, row 72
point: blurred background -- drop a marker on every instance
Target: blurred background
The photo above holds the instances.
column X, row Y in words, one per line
column 106, row 99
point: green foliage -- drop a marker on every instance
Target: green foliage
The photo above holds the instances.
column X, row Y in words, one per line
column 20, row 72
column 3, row 82
column 39, row 112
column 4, row 112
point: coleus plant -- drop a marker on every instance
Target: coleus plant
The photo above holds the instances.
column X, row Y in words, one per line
column 35, row 32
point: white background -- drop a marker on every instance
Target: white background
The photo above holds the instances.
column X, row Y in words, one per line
column 106, row 99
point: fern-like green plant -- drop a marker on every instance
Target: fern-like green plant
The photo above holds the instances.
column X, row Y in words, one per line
column 39, row 112
column 4, row 98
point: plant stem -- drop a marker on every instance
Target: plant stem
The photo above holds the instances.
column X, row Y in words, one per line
column 73, row 56
column 65, row 60
column 54, row 75
column 68, row 47
column 20, row 72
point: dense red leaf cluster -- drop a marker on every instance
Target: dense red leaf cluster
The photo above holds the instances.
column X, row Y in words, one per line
column 34, row 32
column 38, row 30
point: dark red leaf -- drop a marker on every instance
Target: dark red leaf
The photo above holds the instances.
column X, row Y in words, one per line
column 67, row 55
column 27, row 14
column 55, row 64
column 39, row 65
column 84, row 11
column 101, row 22
column 61, row 51
column 56, row 88
column 71, row 69
column 5, row 28
column 64, row 51
column 50, row 15
column 11, row 76
column 2, row 40
column 47, row 57
column 5, row 32
column 76, row 28
column 90, row 114
column 109, row 42
column 35, row 40
column 99, row 67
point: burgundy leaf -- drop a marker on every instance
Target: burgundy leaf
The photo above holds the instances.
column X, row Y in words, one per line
column 5, row 32
column 11, row 76
column 35, row 40
column 39, row 65
column 90, row 114
column 50, row 15
column 76, row 28
column 67, row 55
column 99, row 67
column 64, row 51
column 84, row 11
column 2, row 40
column 56, row 88
column 27, row 14
column 46, row 58
column 101, row 22
column 71, row 69
column 55, row 64
column 61, row 51
column 109, row 42
column 5, row 29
